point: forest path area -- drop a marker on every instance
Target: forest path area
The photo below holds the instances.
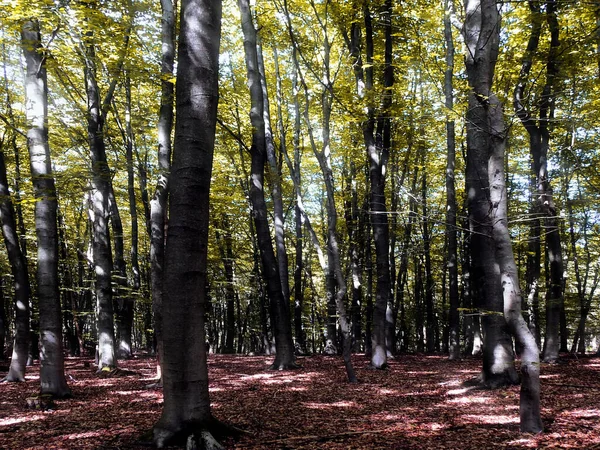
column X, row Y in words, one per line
column 419, row 402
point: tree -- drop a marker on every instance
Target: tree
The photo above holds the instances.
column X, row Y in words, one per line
column 486, row 187
column 20, row 274
column 451, row 230
column 186, row 412
column 52, row 372
column 279, row 309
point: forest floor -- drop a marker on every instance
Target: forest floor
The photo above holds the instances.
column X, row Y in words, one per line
column 419, row 402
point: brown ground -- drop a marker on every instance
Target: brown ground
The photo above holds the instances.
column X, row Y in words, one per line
column 417, row 403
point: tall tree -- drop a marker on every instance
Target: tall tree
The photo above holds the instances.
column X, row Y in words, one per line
column 158, row 204
column 18, row 266
column 52, row 368
column 279, row 309
column 539, row 143
column 186, row 415
column 451, row 230
column 486, row 187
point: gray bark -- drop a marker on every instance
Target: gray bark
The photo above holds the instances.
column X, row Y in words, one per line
column 186, row 411
column 451, row 230
column 52, row 373
column 100, row 213
column 18, row 266
column 279, row 309
column 486, row 187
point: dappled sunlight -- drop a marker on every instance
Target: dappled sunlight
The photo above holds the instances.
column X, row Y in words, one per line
column 88, row 434
column 314, row 405
column 499, row 419
column 455, row 382
column 583, row 413
column 524, row 442
column 469, row 400
column 14, row 420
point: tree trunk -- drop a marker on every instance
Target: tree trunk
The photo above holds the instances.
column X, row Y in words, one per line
column 275, row 179
column 3, row 322
column 451, row 230
column 431, row 322
column 486, row 187
column 158, row 204
column 102, row 254
column 135, row 266
column 226, row 251
column 123, row 304
column 52, row 369
column 378, row 159
column 186, row 412
column 18, row 266
column 280, row 313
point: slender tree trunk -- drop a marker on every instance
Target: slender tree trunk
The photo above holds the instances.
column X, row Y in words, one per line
column 275, row 179
column 135, row 265
column 102, row 254
column 226, row 250
column 3, row 322
column 486, row 185
column 186, row 418
column 123, row 305
column 378, row 159
column 18, row 266
column 52, row 370
column 280, row 313
column 158, row 204
column 431, row 323
column 451, row 230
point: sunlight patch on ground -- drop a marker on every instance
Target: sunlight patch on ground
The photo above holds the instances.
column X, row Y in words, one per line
column 315, row 405
column 385, row 391
column 437, row 426
column 32, row 377
column 545, row 377
column 492, row 420
column 467, row 400
column 14, row 420
column 584, row 413
column 524, row 443
column 298, row 389
column 460, row 391
column 422, row 373
column 450, row 383
column 89, row 434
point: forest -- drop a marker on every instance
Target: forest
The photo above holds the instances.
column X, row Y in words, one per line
column 299, row 224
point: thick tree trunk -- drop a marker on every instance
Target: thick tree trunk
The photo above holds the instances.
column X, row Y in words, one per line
column 186, row 412
column 486, row 187
column 52, row 373
column 280, row 311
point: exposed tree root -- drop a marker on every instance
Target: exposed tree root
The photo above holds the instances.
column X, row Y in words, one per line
column 197, row 436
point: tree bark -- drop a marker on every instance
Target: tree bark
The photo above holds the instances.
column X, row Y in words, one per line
column 18, row 266
column 186, row 411
column 158, row 204
column 100, row 213
column 451, row 230
column 280, row 312
column 226, row 251
column 486, row 187
column 52, row 369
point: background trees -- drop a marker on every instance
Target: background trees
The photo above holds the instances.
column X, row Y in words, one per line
column 362, row 96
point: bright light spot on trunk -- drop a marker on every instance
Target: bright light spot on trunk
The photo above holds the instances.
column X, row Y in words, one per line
column 20, row 306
